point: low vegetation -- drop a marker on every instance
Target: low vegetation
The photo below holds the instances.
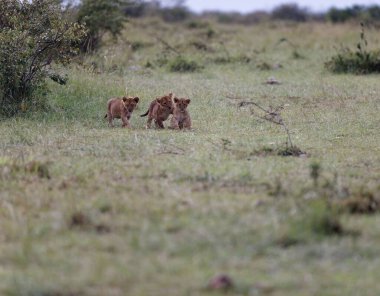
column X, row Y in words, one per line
column 359, row 61
column 182, row 64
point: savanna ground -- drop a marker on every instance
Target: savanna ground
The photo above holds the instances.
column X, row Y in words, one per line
column 91, row 210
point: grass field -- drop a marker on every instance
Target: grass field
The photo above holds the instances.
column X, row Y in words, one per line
column 91, row 210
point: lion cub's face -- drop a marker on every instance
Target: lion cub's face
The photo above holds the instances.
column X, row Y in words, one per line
column 130, row 103
column 181, row 104
column 166, row 102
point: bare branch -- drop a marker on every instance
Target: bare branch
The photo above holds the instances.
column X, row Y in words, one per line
column 167, row 45
column 272, row 114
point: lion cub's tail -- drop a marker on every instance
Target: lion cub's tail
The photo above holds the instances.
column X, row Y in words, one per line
column 145, row 114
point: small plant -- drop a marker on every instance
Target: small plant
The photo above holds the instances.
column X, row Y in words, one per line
column 279, row 151
column 359, row 61
column 289, row 151
column 82, row 221
column 296, row 55
column 264, row 66
column 317, row 221
column 199, row 45
column 182, row 64
column 315, row 171
column 138, row 45
column 363, row 202
column 195, row 24
column 295, row 48
column 41, row 169
column 240, row 59
column 210, row 33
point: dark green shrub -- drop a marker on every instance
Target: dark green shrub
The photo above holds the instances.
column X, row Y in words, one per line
column 33, row 36
column 290, row 12
column 138, row 45
column 182, row 64
column 361, row 202
column 359, row 61
column 178, row 13
column 315, row 222
column 100, row 17
column 356, row 12
column 199, row 45
column 279, row 151
column 195, row 24
column 137, row 9
column 337, row 15
column 290, row 151
column 374, row 12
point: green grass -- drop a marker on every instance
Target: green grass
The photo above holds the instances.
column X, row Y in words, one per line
column 165, row 211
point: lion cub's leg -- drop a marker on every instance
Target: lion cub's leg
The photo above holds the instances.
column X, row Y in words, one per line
column 159, row 124
column 149, row 122
column 110, row 118
column 174, row 123
column 187, row 123
column 125, row 121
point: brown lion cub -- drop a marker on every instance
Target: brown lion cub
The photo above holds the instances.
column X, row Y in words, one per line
column 181, row 117
column 121, row 108
column 159, row 110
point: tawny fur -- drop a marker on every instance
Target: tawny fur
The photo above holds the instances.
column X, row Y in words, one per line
column 159, row 111
column 121, row 108
column 181, row 117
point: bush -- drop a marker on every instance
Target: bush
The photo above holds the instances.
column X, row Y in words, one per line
column 195, row 24
column 374, row 12
column 356, row 12
column 291, row 12
column 362, row 202
column 100, row 17
column 360, row 61
column 316, row 222
column 175, row 14
column 181, row 64
column 336, row 15
column 33, row 35
column 136, row 9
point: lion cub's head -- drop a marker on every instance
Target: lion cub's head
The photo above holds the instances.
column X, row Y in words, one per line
column 166, row 102
column 130, row 103
column 181, row 104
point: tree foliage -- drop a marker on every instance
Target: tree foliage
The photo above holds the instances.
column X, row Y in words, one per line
column 100, row 17
column 291, row 12
column 356, row 12
column 33, row 36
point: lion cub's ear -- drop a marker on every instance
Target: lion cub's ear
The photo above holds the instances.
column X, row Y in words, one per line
column 125, row 99
column 136, row 99
column 176, row 100
column 187, row 101
column 171, row 95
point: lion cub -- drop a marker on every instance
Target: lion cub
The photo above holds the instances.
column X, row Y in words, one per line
column 121, row 108
column 181, row 117
column 159, row 110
